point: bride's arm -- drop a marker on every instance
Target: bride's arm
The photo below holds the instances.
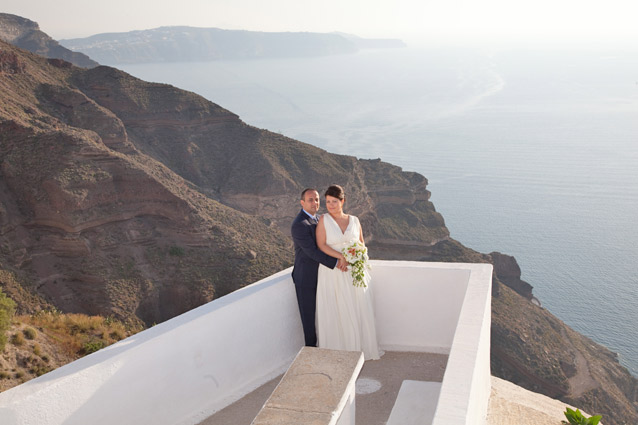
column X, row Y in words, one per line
column 321, row 242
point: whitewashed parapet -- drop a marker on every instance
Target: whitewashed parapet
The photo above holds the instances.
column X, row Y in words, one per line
column 183, row 370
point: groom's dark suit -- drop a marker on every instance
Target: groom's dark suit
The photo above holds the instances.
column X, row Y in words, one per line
column 304, row 273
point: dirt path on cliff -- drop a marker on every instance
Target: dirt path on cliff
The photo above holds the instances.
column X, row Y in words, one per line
column 582, row 381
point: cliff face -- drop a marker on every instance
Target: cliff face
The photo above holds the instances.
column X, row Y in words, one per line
column 257, row 171
column 98, row 227
column 139, row 200
column 535, row 350
column 26, row 34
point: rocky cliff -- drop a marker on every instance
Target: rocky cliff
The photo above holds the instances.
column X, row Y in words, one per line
column 26, row 34
column 97, row 226
column 185, row 44
column 139, row 200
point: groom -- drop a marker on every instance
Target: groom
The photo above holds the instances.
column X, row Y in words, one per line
column 307, row 259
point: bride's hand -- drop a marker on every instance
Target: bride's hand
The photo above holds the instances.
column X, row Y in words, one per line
column 342, row 264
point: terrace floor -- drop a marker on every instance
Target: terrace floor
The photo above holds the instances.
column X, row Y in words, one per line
column 377, row 388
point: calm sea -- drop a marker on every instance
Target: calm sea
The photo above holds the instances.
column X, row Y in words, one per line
column 531, row 153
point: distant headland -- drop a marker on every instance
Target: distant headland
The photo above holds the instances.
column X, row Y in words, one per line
column 191, row 44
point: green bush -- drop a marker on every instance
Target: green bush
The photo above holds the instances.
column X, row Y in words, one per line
column 176, row 251
column 30, row 333
column 92, row 346
column 7, row 310
column 39, row 369
column 575, row 417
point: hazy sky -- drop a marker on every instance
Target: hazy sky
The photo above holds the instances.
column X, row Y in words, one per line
column 433, row 20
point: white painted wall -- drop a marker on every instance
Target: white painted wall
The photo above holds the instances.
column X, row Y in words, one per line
column 178, row 372
column 417, row 305
column 444, row 308
column 348, row 412
column 466, row 386
column 183, row 370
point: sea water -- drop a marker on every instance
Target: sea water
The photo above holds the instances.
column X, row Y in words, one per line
column 533, row 153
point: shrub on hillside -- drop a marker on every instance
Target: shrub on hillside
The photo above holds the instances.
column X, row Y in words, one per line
column 79, row 334
column 30, row 333
column 17, row 339
column 7, row 310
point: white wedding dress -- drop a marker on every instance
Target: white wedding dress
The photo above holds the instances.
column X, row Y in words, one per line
column 345, row 313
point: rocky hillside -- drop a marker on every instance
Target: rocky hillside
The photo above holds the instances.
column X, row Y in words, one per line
column 137, row 200
column 98, row 227
column 185, row 44
column 26, row 34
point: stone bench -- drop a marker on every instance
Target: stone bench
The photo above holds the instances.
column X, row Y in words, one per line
column 415, row 403
column 317, row 389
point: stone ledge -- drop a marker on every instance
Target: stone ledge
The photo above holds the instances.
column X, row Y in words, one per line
column 314, row 390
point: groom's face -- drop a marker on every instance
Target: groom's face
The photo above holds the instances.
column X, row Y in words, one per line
column 310, row 202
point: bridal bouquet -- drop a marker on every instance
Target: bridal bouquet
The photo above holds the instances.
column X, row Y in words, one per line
column 357, row 256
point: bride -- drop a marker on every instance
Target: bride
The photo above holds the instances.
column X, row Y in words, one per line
column 345, row 313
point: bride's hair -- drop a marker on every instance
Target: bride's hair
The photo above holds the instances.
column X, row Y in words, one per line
column 336, row 191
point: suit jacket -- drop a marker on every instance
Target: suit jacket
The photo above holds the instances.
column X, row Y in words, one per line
column 307, row 255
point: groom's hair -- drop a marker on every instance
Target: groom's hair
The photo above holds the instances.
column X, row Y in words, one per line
column 303, row 194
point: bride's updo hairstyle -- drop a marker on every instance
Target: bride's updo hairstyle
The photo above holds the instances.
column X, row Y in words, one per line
column 336, row 191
